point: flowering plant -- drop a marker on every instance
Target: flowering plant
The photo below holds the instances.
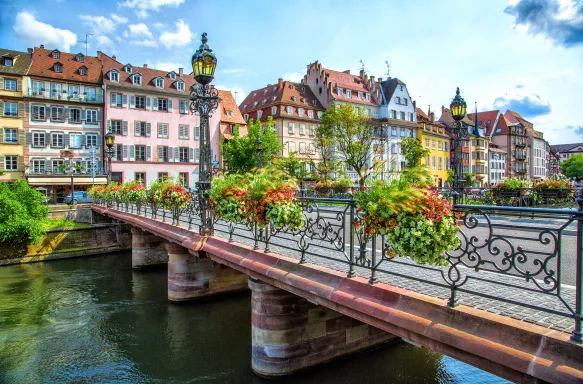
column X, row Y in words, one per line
column 227, row 197
column 174, row 196
column 112, row 192
column 134, row 192
column 97, row 192
column 553, row 184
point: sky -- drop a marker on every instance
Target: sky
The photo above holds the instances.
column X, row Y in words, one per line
column 526, row 55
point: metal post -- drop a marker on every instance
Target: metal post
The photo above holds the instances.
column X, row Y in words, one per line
column 577, row 335
column 351, row 229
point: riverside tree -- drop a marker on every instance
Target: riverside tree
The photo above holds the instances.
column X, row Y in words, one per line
column 347, row 134
column 573, row 167
column 240, row 152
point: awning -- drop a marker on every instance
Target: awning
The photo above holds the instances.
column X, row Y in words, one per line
column 66, row 180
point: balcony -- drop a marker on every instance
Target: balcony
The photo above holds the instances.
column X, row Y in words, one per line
column 520, row 156
column 85, row 99
column 520, row 142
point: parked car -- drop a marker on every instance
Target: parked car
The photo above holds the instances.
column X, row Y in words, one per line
column 80, row 197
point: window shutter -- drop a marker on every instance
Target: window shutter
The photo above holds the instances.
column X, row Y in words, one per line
column 124, row 101
column 82, row 143
column 191, row 155
column 1, row 135
column 1, row 83
column 2, row 161
column 21, row 109
column 21, row 163
column 98, row 115
column 125, row 152
column 132, row 153
column 196, row 133
column 147, row 103
column 83, row 114
column 170, row 154
column 125, row 127
column 21, row 135
column 148, row 129
column 132, row 101
column 108, row 125
column 47, row 138
column 18, row 85
column 196, row 155
column 28, row 137
column 1, row 108
column 155, row 104
column 113, row 99
column 170, row 105
column 136, row 128
column 99, row 141
column 148, row 153
column 176, row 154
column 181, row 106
column 66, row 140
column 160, row 152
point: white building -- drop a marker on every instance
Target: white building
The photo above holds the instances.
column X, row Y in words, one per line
column 497, row 164
column 538, row 156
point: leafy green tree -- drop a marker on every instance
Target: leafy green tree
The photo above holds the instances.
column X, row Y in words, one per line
column 413, row 152
column 349, row 134
column 21, row 214
column 293, row 166
column 470, row 179
column 240, row 152
column 573, row 166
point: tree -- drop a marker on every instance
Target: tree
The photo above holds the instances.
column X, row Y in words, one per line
column 413, row 152
column 470, row 179
column 573, row 166
column 324, row 141
column 293, row 166
column 240, row 152
column 347, row 134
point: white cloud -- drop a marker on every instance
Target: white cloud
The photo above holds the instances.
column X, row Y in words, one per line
column 167, row 66
column 181, row 37
column 158, row 25
column 237, row 92
column 142, row 6
column 140, row 30
column 234, row 70
column 101, row 24
column 103, row 41
column 146, row 43
column 295, row 77
column 36, row 32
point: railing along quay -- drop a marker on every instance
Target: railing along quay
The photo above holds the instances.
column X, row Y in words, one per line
column 523, row 268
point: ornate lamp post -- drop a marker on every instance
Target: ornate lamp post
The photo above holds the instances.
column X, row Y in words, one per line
column 109, row 152
column 205, row 99
column 259, row 149
column 459, row 133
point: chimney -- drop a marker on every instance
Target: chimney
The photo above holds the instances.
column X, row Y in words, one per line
column 362, row 73
column 42, row 46
column 380, row 79
column 347, row 71
column 280, row 83
column 30, row 50
column 145, row 65
column 442, row 109
column 432, row 115
column 415, row 105
column 372, row 79
column 180, row 71
column 114, row 58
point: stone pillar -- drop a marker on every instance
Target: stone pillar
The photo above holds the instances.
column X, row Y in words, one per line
column 123, row 235
column 147, row 249
column 192, row 275
column 290, row 334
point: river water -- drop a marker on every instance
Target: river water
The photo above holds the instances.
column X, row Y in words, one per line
column 94, row 320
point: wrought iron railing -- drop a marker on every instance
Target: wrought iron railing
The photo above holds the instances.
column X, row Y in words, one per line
column 522, row 262
column 75, row 97
column 57, row 172
column 522, row 197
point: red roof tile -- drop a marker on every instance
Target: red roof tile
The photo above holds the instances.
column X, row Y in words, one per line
column 485, row 117
column 228, row 104
column 293, row 94
column 348, row 81
column 43, row 64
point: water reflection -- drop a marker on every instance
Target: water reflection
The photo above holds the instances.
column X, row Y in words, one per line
column 94, row 320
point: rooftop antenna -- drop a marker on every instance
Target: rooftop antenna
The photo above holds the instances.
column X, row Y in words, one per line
column 87, row 41
column 362, row 66
column 235, row 92
column 388, row 68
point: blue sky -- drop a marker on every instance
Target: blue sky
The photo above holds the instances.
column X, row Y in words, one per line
column 526, row 55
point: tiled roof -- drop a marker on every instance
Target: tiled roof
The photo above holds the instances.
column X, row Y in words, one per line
column 485, row 117
column 43, row 65
column 273, row 95
column 422, row 115
column 148, row 77
column 564, row 147
column 535, row 133
column 19, row 66
column 447, row 119
column 348, row 81
column 228, row 104
column 389, row 87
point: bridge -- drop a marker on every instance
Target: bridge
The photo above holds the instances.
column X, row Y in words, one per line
column 509, row 302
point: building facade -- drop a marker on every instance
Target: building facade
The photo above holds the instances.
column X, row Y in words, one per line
column 148, row 111
column 13, row 67
column 433, row 137
column 497, row 158
column 230, row 117
column 565, row 151
column 63, row 122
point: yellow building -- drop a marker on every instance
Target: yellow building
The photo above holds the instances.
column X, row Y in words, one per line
column 433, row 137
column 13, row 67
column 479, row 159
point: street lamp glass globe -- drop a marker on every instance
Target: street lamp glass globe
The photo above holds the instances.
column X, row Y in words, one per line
column 204, row 63
column 258, row 144
column 458, row 106
column 109, row 139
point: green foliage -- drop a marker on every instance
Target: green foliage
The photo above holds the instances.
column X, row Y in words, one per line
column 226, row 197
column 512, row 184
column 293, row 166
column 240, row 152
column 470, row 179
column 413, row 151
column 21, row 212
column 573, row 166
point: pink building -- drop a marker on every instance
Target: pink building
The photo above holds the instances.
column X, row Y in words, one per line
column 149, row 113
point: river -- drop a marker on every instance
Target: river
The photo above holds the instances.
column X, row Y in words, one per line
column 94, row 320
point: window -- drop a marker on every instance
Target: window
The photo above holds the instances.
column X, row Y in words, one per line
column 140, row 128
column 74, row 115
column 183, row 177
column 91, row 140
column 10, row 84
column 162, row 175
column 288, row 110
column 57, row 140
column 11, row 163
column 320, row 115
column 402, row 115
column 56, row 164
column 292, row 147
column 162, row 153
column 91, row 116
column 290, row 128
column 114, row 76
column 75, row 140
column 426, row 143
column 360, row 95
column 302, row 129
column 159, row 83
column 183, row 132
column 368, row 96
column 393, row 114
column 440, row 145
column 348, row 93
column 116, row 127
column 140, row 152
column 180, row 86
column 39, row 139
column 38, row 166
column 58, row 68
column 137, row 80
column 10, row 109
column 340, row 93
column 163, row 130
column 183, row 154
column 259, row 114
column 197, row 154
column 8, row 62
column 311, row 130
column 273, row 110
column 140, row 102
column 312, row 148
column 116, row 100
column 56, row 55
column 140, row 177
column 302, row 147
column 310, row 114
column 432, row 144
column 301, row 111
column 83, row 71
column 11, row 135
column 440, row 163
column 445, row 146
column 183, row 106
column 38, row 112
column 433, row 162
column 162, row 104
column 74, row 91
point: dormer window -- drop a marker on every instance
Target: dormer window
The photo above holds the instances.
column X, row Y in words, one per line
column 348, row 93
column 80, row 58
column 310, row 114
column 288, row 110
column 254, row 104
column 264, row 101
column 294, row 99
column 301, row 111
column 340, row 92
column 83, row 71
column 319, row 115
column 246, row 117
column 368, row 97
column 180, row 85
column 8, row 62
column 360, row 95
column 230, row 113
column 273, row 110
column 274, row 89
column 128, row 68
column 159, row 82
column 58, row 68
column 259, row 113
column 56, row 55
column 114, row 76
column 172, row 75
column 137, row 80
